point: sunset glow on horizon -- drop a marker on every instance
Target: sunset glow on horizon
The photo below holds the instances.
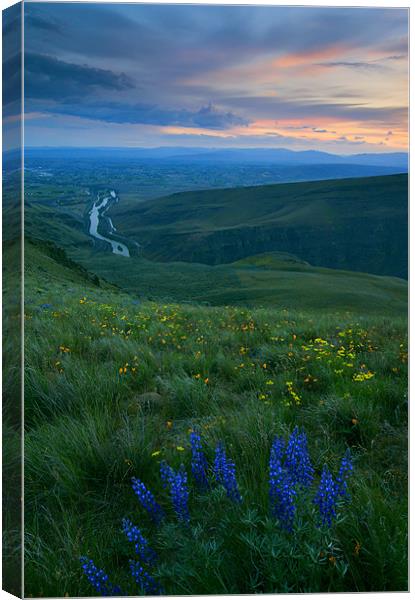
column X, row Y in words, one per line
column 332, row 79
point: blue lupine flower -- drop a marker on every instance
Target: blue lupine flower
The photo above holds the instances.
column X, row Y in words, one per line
column 179, row 492
column 346, row 467
column 141, row 545
column 281, row 487
column 230, row 483
column 277, row 448
column 180, row 495
column 167, row 474
column 199, row 462
column 147, row 583
column 99, row 579
column 219, row 464
column 298, row 463
column 326, row 497
column 224, row 471
column 147, row 500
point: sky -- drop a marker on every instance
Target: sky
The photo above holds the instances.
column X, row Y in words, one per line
column 332, row 79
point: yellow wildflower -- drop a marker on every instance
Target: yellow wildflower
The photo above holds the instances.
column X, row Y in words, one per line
column 363, row 376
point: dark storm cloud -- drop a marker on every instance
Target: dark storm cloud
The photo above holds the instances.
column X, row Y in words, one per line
column 219, row 36
column 11, row 28
column 77, row 91
column 83, row 29
column 379, row 63
column 50, row 78
column 12, row 58
column 276, row 108
column 37, row 22
column 353, row 65
column 12, row 73
column 208, row 117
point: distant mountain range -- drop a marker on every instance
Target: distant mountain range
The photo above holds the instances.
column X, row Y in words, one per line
column 282, row 156
column 276, row 156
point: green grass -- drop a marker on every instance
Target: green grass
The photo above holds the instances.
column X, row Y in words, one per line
column 338, row 223
column 355, row 224
column 273, row 280
column 223, row 370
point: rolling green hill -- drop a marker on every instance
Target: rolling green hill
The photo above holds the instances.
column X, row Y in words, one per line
column 343, row 223
column 355, row 224
column 273, row 280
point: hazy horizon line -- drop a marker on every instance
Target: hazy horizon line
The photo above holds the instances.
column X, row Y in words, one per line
column 204, row 149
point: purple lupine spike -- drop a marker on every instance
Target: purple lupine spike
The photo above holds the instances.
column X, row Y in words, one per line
column 148, row 585
column 224, row 471
column 99, row 579
column 180, row 495
column 278, row 447
column 167, row 474
column 346, row 468
column 298, row 463
column 219, row 464
column 176, row 483
column 147, row 500
column 141, row 545
column 281, row 489
column 326, row 497
column 229, row 482
column 199, row 462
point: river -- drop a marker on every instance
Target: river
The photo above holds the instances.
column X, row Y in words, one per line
column 98, row 210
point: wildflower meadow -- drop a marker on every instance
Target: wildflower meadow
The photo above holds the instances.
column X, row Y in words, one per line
column 290, row 483
column 184, row 449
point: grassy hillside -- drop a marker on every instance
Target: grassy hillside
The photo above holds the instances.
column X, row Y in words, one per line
column 272, row 279
column 354, row 224
column 286, row 285
column 63, row 227
column 113, row 386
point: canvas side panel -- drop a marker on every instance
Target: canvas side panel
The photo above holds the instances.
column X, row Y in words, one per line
column 12, row 300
